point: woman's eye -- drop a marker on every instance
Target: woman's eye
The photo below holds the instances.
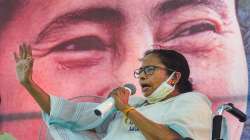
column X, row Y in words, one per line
column 149, row 69
column 81, row 44
column 194, row 29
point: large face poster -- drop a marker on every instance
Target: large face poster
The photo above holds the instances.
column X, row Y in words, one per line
column 89, row 47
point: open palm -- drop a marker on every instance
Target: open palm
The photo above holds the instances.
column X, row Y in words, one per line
column 24, row 63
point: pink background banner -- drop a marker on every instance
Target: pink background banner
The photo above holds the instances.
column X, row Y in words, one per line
column 89, row 47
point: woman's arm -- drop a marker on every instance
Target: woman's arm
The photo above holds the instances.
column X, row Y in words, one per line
column 40, row 96
column 24, row 64
column 150, row 129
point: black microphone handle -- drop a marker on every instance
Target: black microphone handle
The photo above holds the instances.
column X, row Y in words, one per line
column 242, row 117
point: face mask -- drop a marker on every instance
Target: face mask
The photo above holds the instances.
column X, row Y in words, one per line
column 162, row 91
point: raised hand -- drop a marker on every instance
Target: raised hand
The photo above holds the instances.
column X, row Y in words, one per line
column 24, row 63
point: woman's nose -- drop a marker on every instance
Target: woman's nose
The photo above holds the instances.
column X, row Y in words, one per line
column 142, row 76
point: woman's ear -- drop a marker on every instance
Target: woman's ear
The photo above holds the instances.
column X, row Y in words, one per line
column 177, row 77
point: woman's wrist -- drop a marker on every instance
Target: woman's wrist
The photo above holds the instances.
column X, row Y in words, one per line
column 27, row 83
column 127, row 109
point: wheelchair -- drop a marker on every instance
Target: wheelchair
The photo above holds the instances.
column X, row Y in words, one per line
column 217, row 126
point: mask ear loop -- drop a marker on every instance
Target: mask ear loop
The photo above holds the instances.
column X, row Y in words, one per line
column 170, row 78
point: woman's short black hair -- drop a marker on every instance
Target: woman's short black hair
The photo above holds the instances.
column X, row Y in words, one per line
column 177, row 62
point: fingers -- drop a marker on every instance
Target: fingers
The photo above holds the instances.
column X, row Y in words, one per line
column 21, row 54
column 16, row 57
column 20, row 51
column 121, row 96
column 25, row 52
column 120, row 91
column 29, row 51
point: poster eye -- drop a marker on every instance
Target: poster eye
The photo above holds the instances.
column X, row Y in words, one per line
column 85, row 43
column 192, row 28
column 197, row 28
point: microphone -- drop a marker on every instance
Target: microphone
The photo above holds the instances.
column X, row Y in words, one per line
column 107, row 105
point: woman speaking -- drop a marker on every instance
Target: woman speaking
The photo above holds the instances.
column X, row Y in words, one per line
column 170, row 109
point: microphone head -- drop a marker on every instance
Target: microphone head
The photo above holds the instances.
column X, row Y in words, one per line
column 131, row 87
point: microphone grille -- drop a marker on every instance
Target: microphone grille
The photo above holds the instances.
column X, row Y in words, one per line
column 131, row 87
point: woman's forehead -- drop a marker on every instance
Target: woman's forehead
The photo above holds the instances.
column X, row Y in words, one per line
column 151, row 59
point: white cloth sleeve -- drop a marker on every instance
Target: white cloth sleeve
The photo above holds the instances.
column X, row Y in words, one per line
column 73, row 116
column 190, row 116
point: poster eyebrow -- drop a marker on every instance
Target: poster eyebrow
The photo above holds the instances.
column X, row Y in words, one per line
column 171, row 5
column 103, row 15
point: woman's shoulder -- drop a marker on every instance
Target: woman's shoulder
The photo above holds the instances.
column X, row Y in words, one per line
column 194, row 96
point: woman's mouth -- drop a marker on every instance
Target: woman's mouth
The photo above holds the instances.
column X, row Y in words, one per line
column 145, row 87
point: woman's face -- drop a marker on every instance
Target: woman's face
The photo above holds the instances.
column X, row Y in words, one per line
column 157, row 74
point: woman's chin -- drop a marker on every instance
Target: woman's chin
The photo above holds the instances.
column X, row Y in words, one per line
column 146, row 93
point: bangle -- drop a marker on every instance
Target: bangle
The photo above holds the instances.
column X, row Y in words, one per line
column 127, row 110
